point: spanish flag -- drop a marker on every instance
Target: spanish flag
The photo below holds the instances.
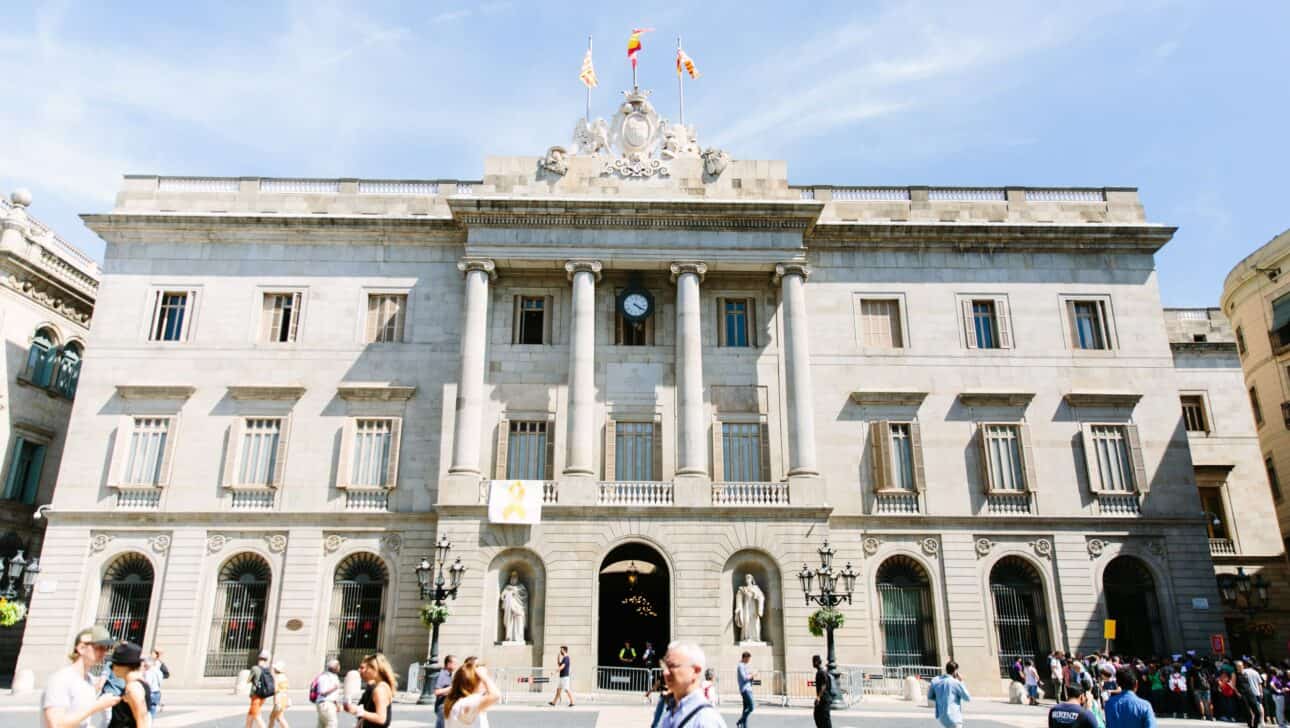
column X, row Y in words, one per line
column 588, row 74
column 684, row 62
column 634, row 44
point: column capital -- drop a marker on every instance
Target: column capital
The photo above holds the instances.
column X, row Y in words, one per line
column 466, row 265
column 790, row 269
column 679, row 268
column 579, row 266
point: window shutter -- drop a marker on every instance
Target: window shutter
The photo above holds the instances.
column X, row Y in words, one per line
column 1107, row 334
column 611, row 449
column 1135, row 456
column 879, row 453
column 550, row 449
column 765, row 452
column 1028, row 458
column 32, row 486
column 986, row 484
column 373, row 310
column 11, row 485
column 499, row 460
column 154, row 333
column 916, row 448
column 266, row 317
column 657, row 452
column 1003, row 322
column 392, row 470
column 346, row 451
column 515, row 319
column 751, row 322
column 718, row 453
column 1072, row 327
column 167, row 457
column 280, row 457
column 548, row 319
column 1090, row 459
column 721, row 324
column 969, row 328
column 232, row 452
column 295, row 316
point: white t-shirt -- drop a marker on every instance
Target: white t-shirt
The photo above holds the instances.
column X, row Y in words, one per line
column 1032, row 676
column 73, row 692
column 328, row 681
column 465, row 713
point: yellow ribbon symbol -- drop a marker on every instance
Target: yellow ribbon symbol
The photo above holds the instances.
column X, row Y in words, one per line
column 515, row 505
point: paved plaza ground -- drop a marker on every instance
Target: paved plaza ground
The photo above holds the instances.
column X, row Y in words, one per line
column 208, row 709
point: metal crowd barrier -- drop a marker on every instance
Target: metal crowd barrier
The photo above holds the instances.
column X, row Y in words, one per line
column 624, row 679
column 525, row 684
column 888, row 679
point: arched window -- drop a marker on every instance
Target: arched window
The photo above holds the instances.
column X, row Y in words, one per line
column 69, row 370
column 125, row 596
column 1020, row 614
column 237, row 620
column 905, row 613
column 41, row 356
column 357, row 609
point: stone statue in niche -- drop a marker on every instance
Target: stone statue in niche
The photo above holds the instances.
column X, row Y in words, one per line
column 750, row 603
column 515, row 605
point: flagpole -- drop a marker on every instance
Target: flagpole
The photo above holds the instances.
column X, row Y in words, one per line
column 588, row 114
column 680, row 80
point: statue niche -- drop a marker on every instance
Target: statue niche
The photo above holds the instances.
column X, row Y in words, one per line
column 750, row 606
column 513, row 605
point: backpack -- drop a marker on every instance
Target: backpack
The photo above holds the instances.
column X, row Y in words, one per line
column 264, row 686
column 313, row 688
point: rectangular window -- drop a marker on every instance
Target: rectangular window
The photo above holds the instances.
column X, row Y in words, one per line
column 526, row 450
column 634, row 451
column 385, row 317
column 530, row 320
column 1280, row 322
column 147, row 451
column 1004, row 465
column 171, row 314
column 1273, row 483
column 1240, row 341
column 1193, row 407
column 259, row 451
column 1256, row 407
column 280, row 317
column 985, row 326
column 1211, row 506
column 902, row 456
column 1111, row 456
column 627, row 333
column 1089, row 324
column 27, row 461
column 736, row 316
column 741, row 452
column 880, row 323
column 370, row 455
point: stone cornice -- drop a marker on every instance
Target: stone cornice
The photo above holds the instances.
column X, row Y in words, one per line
column 899, row 397
column 155, row 391
column 205, row 228
column 37, row 284
column 996, row 399
column 1128, row 400
column 1204, row 347
column 266, row 393
column 374, row 392
column 994, row 237
column 645, row 214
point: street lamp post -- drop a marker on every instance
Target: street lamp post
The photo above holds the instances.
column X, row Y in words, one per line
column 1246, row 595
column 835, row 587
column 437, row 591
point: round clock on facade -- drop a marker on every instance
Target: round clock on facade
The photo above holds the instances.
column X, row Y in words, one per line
column 635, row 304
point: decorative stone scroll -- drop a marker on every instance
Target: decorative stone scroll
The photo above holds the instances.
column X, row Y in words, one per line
column 1043, row 547
column 160, row 543
column 871, row 545
column 99, row 541
column 277, row 542
column 216, row 542
column 392, row 542
column 984, row 546
column 1096, row 547
column 931, row 546
column 333, row 542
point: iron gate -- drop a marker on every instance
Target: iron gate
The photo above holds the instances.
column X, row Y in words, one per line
column 357, row 618
column 237, row 621
column 906, row 626
column 1015, row 625
column 125, row 597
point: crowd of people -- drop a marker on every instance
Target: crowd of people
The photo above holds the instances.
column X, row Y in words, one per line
column 1239, row 690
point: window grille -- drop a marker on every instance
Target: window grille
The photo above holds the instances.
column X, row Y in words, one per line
column 237, row 622
column 526, row 450
column 259, row 456
column 880, row 323
column 1111, row 453
column 1004, row 457
column 1193, row 408
column 1020, row 615
column 905, row 614
column 125, row 597
column 634, row 451
column 385, row 317
column 357, row 610
column 147, row 451
column 741, row 452
column 280, row 317
column 170, row 316
column 370, row 457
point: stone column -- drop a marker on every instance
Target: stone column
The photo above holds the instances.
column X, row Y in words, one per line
column 470, row 388
column 692, row 445
column 797, row 367
column 581, row 447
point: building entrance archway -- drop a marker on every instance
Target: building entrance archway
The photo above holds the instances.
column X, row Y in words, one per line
column 635, row 604
column 1130, row 593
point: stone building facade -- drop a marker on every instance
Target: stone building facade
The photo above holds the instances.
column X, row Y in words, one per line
column 47, row 292
column 300, row 384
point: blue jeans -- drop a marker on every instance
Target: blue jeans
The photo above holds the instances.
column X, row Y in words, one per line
column 748, row 709
column 658, row 712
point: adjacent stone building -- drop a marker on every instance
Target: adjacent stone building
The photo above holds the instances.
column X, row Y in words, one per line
column 299, row 384
column 47, row 292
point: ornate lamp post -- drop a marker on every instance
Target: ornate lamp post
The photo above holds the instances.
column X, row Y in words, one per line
column 1246, row 595
column 436, row 592
column 18, row 580
column 835, row 588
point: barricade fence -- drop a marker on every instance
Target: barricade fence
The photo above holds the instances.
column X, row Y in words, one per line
column 526, row 684
column 888, row 679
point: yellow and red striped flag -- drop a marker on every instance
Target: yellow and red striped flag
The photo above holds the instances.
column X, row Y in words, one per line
column 634, row 44
column 684, row 62
column 588, row 74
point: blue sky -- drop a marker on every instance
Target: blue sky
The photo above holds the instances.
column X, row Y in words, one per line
column 1189, row 101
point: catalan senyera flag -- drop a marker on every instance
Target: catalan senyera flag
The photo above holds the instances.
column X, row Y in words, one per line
column 634, row 44
column 588, row 74
column 684, row 62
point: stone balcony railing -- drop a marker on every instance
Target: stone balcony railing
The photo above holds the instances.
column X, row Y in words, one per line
column 550, row 491
column 634, row 493
column 138, row 499
column 1222, row 547
column 750, row 494
column 1118, row 504
column 1009, row 503
column 891, row 502
column 259, row 499
column 367, row 501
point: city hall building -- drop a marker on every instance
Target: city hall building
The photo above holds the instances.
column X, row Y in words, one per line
column 299, row 385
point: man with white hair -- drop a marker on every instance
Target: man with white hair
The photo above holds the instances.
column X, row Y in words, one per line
column 683, row 672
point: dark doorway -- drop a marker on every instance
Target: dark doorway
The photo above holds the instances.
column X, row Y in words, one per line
column 1130, row 593
column 635, row 603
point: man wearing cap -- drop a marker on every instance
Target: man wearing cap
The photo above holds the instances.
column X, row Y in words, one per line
column 126, row 680
column 257, row 701
column 69, row 697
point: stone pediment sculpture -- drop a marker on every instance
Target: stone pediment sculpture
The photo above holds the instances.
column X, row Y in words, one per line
column 635, row 142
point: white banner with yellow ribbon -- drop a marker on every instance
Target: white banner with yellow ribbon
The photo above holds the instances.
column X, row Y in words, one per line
column 515, row 501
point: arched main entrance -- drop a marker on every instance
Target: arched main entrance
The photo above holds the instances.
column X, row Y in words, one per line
column 237, row 619
column 1020, row 614
column 125, row 597
column 357, row 609
column 905, row 613
column 635, row 604
column 1130, row 593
